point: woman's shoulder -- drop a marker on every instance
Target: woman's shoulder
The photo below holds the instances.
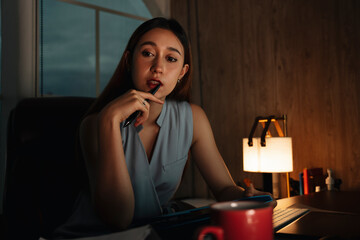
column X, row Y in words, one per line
column 201, row 123
column 198, row 112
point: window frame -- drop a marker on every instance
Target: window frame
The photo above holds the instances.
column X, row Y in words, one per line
column 97, row 10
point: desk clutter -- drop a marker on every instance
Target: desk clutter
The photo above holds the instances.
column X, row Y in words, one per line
column 314, row 180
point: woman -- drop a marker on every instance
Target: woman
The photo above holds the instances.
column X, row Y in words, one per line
column 134, row 171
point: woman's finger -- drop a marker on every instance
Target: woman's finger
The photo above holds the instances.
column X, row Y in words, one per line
column 144, row 114
column 142, row 101
column 150, row 97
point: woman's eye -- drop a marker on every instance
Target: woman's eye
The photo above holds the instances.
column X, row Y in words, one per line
column 171, row 59
column 147, row 54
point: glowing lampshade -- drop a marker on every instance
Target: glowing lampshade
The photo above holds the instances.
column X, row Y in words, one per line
column 275, row 157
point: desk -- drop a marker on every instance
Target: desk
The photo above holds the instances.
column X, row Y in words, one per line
column 332, row 214
column 332, row 201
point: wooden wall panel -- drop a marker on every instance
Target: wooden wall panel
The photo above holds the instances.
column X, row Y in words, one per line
column 193, row 185
column 300, row 58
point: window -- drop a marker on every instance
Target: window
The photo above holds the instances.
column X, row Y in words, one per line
column 81, row 43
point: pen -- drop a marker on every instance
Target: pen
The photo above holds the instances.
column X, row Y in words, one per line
column 133, row 116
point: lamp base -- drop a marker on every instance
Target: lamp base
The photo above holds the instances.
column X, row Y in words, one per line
column 267, row 182
column 276, row 185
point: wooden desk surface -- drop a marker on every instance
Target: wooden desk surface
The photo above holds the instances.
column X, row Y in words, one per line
column 331, row 201
column 333, row 214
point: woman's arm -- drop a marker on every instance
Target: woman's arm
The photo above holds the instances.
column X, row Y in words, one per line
column 101, row 144
column 110, row 184
column 209, row 161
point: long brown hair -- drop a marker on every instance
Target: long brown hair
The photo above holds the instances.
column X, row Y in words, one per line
column 121, row 80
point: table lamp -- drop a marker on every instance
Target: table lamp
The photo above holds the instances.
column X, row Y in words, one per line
column 269, row 154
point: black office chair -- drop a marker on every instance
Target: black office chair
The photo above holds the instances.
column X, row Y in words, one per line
column 43, row 176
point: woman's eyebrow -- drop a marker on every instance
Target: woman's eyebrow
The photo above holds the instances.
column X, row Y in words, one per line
column 175, row 50
column 154, row 44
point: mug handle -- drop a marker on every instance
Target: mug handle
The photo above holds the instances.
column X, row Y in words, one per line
column 218, row 232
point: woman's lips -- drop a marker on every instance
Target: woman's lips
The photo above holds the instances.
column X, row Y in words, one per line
column 153, row 83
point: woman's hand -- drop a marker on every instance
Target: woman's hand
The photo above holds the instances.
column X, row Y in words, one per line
column 250, row 191
column 122, row 107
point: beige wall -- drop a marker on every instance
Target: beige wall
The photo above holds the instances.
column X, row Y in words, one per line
column 299, row 57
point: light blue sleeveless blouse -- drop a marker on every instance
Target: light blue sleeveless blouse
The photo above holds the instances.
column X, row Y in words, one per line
column 154, row 183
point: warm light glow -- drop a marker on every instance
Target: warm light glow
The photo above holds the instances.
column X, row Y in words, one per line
column 276, row 156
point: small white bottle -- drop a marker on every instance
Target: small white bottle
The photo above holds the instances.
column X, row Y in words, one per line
column 329, row 180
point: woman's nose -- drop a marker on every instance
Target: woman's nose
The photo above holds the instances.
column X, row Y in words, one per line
column 157, row 66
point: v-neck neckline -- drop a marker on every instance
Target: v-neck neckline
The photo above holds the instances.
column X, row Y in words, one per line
column 154, row 146
column 159, row 122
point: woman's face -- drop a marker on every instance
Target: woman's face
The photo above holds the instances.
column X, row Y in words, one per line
column 158, row 58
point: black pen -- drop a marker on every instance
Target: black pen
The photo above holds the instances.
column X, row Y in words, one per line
column 133, row 116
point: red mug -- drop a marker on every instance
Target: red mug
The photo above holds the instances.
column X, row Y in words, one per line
column 242, row 220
